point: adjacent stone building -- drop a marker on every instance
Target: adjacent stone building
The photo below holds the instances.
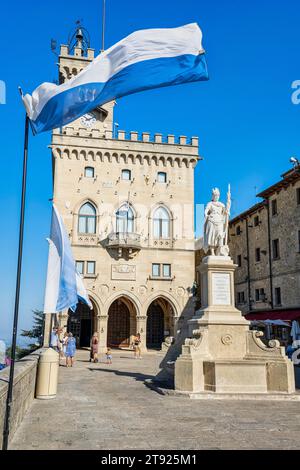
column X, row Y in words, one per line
column 265, row 244
column 127, row 202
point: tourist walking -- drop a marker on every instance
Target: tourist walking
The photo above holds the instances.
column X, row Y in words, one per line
column 94, row 347
column 137, row 346
column 70, row 350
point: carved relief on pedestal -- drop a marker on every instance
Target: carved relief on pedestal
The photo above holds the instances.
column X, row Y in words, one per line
column 227, row 339
column 194, row 342
column 123, row 272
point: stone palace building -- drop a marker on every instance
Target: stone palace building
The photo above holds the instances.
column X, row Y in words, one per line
column 127, row 202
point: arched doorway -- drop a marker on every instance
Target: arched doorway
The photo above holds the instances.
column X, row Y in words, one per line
column 121, row 323
column 81, row 324
column 159, row 323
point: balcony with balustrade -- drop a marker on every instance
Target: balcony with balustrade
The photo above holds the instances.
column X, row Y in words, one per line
column 124, row 242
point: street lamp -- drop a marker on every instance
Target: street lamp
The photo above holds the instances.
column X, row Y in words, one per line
column 294, row 161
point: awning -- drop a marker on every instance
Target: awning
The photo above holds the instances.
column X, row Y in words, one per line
column 270, row 322
column 274, row 315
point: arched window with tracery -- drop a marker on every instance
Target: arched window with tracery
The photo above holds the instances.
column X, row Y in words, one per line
column 161, row 223
column 125, row 219
column 87, row 218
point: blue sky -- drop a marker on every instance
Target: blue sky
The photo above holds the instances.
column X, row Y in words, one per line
column 247, row 125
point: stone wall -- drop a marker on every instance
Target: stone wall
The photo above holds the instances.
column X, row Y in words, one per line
column 284, row 227
column 23, row 393
column 259, row 270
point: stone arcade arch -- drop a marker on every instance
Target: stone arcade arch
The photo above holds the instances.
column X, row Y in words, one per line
column 82, row 324
column 160, row 322
column 121, row 325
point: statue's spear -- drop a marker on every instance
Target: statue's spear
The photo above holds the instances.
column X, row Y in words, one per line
column 228, row 206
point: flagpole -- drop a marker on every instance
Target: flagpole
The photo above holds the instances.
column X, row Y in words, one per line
column 103, row 25
column 17, row 294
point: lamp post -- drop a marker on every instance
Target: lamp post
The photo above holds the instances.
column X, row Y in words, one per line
column 294, row 160
column 296, row 163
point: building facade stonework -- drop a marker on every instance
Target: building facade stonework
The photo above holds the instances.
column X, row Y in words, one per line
column 265, row 244
column 127, row 202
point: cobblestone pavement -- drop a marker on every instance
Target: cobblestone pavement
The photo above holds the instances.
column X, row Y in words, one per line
column 102, row 406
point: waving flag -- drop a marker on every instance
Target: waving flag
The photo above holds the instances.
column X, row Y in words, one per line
column 64, row 286
column 145, row 59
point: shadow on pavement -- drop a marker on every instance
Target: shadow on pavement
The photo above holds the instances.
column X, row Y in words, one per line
column 140, row 377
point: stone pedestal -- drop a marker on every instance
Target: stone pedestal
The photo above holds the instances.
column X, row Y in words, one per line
column 221, row 354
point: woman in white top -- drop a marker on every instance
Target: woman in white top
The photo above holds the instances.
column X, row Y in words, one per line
column 64, row 344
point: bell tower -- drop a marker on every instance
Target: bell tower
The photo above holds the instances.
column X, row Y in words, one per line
column 73, row 58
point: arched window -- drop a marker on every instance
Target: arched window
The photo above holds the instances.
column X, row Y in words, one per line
column 125, row 219
column 161, row 223
column 89, row 172
column 87, row 218
column 162, row 177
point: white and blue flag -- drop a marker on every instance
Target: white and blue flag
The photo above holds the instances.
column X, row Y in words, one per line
column 150, row 58
column 64, row 285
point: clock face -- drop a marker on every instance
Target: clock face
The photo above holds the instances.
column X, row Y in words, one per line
column 88, row 120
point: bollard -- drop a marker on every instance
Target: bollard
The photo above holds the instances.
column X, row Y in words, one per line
column 47, row 375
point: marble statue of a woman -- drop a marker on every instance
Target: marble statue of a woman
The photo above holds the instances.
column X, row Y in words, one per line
column 216, row 225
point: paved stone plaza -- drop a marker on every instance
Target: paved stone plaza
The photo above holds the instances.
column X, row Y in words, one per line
column 102, row 406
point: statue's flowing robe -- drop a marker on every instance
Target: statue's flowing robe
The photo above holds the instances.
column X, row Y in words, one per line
column 214, row 225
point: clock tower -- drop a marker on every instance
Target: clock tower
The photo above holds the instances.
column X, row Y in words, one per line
column 127, row 202
column 72, row 59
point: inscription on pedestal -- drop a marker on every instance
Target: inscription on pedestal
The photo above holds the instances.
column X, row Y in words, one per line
column 221, row 289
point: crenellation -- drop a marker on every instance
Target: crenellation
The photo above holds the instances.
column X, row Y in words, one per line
column 134, row 135
column 96, row 134
column 158, row 138
column 64, row 50
column 121, row 135
column 82, row 132
column 108, row 134
column 90, row 53
column 195, row 141
column 146, row 136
